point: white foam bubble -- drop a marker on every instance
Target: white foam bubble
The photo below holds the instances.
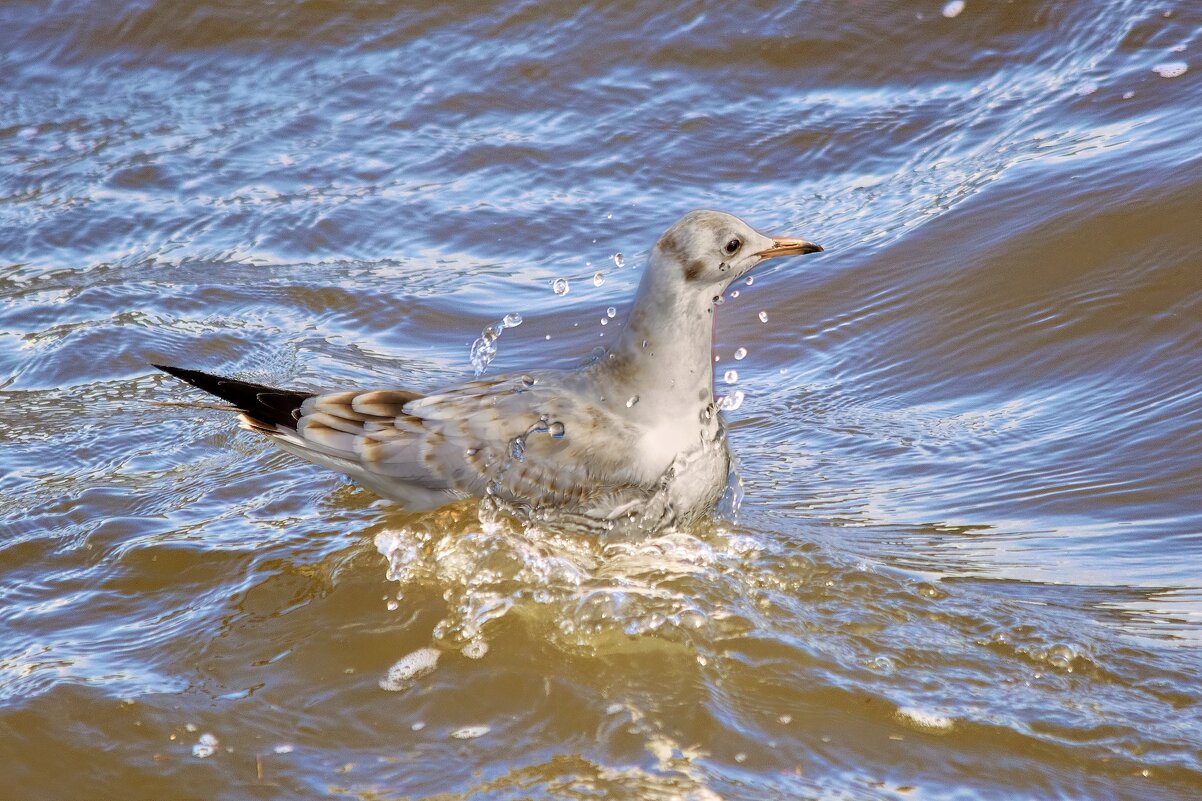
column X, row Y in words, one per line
column 924, row 719
column 470, row 732
column 205, row 747
column 1171, row 69
column 409, row 669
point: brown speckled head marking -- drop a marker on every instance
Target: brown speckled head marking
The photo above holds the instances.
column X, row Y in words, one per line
column 693, row 270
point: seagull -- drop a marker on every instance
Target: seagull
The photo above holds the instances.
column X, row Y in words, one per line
column 631, row 439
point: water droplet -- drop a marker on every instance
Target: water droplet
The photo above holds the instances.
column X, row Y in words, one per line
column 740, row 757
column 1171, row 69
column 392, row 605
column 512, row 320
column 610, row 312
column 734, row 294
column 740, row 354
column 750, row 280
column 632, row 401
column 548, row 336
column 598, row 279
column 560, row 286
column 483, row 352
column 729, row 403
column 953, row 9
column 730, row 376
column 556, row 430
column 1061, row 656
column 604, row 321
column 517, row 449
column 619, row 260
column 284, row 748
column 763, row 316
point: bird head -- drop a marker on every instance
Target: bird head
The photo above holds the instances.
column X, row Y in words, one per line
column 709, row 249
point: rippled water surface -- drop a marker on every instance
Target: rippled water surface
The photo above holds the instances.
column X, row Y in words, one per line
column 967, row 564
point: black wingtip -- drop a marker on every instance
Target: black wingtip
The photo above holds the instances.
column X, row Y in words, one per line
column 196, row 378
column 178, row 372
column 266, row 404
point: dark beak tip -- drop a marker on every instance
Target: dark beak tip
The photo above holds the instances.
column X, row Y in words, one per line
column 814, row 248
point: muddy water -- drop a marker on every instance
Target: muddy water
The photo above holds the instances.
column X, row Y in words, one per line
column 967, row 561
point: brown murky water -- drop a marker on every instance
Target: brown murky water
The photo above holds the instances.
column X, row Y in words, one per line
column 967, row 562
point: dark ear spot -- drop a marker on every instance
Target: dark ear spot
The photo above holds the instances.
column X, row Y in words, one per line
column 694, row 269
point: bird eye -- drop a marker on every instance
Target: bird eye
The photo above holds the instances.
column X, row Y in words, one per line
column 730, row 247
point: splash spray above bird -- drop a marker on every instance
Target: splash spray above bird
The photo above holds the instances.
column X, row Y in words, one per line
column 632, row 439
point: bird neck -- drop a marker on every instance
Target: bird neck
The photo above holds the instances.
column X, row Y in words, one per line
column 664, row 354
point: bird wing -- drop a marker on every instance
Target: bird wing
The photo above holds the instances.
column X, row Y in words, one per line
column 531, row 439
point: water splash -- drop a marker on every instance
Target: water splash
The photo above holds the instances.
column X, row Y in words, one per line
column 728, row 403
column 484, row 349
column 583, row 592
column 730, row 376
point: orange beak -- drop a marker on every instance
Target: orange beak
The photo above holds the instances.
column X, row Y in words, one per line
column 782, row 246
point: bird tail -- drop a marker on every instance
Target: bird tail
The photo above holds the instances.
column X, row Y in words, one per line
column 264, row 407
